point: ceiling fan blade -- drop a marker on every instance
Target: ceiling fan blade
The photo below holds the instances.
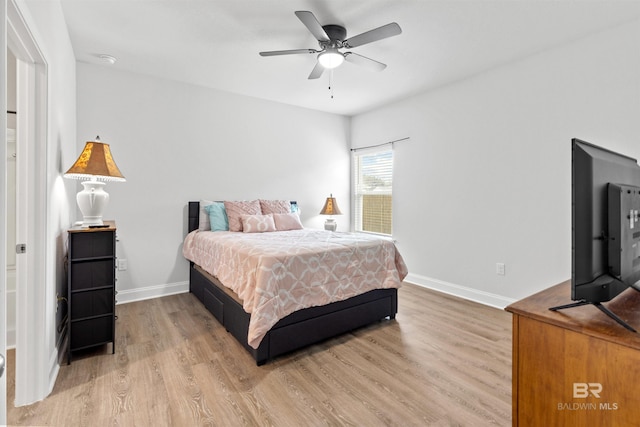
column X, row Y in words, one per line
column 288, row 52
column 312, row 24
column 369, row 63
column 316, row 72
column 376, row 34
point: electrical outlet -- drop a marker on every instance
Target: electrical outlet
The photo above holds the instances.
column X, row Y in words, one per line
column 500, row 268
column 122, row 264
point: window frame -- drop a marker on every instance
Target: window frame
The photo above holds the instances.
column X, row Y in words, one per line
column 358, row 193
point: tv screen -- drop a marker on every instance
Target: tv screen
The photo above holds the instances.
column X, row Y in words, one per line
column 605, row 227
column 605, row 200
column 599, row 229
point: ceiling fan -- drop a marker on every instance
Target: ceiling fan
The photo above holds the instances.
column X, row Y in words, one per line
column 332, row 38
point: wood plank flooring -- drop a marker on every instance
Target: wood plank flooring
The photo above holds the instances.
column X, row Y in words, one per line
column 443, row 361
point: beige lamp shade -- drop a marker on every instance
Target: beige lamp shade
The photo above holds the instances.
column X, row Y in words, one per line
column 330, row 207
column 95, row 162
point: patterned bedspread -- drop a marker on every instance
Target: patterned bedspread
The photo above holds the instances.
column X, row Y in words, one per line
column 275, row 274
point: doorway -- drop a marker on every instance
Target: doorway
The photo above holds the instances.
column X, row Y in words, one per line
column 11, row 277
column 33, row 355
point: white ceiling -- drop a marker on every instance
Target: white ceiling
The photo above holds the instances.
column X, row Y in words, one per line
column 215, row 43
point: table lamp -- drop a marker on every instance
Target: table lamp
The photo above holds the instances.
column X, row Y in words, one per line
column 330, row 208
column 95, row 164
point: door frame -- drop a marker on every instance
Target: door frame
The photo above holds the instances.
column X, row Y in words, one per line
column 3, row 207
column 33, row 354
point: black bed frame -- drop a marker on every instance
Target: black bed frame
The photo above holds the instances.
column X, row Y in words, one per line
column 299, row 329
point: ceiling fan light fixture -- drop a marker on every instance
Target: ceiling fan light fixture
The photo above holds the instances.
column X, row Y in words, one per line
column 331, row 59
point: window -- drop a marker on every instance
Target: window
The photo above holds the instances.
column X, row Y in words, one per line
column 372, row 184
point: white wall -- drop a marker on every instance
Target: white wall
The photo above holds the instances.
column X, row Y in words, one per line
column 485, row 177
column 176, row 142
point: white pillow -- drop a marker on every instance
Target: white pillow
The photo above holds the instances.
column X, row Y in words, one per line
column 203, row 219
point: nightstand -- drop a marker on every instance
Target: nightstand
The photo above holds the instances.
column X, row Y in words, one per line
column 92, row 287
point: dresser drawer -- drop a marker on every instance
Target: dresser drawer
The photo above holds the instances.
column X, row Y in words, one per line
column 87, row 333
column 92, row 274
column 91, row 303
column 92, row 245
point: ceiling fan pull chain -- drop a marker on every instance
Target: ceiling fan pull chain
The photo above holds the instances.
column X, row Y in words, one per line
column 331, row 83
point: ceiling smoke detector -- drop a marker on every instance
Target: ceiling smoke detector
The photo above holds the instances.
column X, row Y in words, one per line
column 107, row 58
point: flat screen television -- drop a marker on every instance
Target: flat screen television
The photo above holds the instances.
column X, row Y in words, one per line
column 605, row 228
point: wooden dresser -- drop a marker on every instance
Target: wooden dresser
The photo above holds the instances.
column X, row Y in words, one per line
column 92, row 287
column 575, row 367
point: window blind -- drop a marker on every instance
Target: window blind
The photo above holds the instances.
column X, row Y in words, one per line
column 372, row 190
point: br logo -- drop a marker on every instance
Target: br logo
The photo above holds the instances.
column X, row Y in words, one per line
column 583, row 390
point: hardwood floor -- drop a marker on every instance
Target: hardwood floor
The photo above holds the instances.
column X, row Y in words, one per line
column 443, row 361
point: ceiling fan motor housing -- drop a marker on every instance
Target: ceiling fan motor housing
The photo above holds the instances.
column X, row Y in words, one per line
column 335, row 32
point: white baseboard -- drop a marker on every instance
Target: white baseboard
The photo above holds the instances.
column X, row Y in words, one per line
column 156, row 291
column 486, row 298
column 54, row 369
column 11, row 338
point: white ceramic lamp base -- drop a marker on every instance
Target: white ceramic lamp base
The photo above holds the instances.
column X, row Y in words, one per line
column 92, row 201
column 330, row 224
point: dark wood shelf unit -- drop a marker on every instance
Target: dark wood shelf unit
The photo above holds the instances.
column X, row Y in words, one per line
column 92, row 287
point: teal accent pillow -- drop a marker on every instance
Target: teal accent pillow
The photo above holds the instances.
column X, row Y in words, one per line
column 294, row 207
column 217, row 216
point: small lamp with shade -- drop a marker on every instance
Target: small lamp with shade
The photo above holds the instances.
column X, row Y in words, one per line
column 330, row 208
column 94, row 165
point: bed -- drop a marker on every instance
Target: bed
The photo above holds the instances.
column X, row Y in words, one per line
column 289, row 326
